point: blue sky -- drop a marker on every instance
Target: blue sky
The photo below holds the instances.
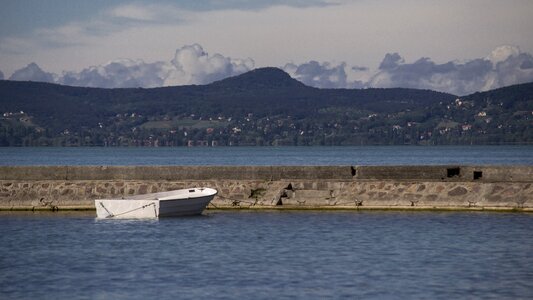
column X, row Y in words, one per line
column 340, row 38
column 23, row 16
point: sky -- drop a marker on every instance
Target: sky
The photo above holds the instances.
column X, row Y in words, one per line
column 454, row 46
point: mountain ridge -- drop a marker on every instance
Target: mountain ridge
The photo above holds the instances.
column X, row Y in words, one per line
column 261, row 107
column 268, row 77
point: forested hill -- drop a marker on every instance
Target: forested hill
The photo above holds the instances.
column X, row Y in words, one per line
column 262, row 107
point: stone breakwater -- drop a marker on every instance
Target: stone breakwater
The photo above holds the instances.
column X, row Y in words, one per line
column 300, row 187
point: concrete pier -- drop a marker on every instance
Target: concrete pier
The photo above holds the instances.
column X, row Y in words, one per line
column 276, row 187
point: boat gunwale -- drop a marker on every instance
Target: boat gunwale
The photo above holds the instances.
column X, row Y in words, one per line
column 165, row 196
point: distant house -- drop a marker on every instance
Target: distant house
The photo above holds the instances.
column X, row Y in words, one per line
column 202, row 143
column 466, row 127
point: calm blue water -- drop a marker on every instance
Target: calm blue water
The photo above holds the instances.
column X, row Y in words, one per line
column 265, row 255
column 268, row 255
column 363, row 155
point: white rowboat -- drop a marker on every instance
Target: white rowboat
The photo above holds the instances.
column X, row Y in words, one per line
column 183, row 202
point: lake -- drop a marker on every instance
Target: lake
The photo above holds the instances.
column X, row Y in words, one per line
column 268, row 255
column 349, row 155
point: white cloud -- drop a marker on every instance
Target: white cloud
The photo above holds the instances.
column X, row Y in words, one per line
column 322, row 75
column 277, row 32
column 32, row 72
column 191, row 65
column 502, row 53
column 124, row 73
column 505, row 65
column 195, row 66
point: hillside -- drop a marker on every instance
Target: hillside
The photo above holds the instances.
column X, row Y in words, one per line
column 261, row 107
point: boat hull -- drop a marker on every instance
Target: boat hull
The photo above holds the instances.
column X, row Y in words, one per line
column 183, row 207
column 184, row 202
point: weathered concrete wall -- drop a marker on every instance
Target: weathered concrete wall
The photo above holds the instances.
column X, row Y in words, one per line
column 172, row 172
column 360, row 187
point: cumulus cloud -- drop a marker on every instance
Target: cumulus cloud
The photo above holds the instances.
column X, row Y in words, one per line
column 517, row 68
column 322, row 75
column 502, row 53
column 124, row 73
column 424, row 73
column 504, row 66
column 391, row 61
column 32, row 72
column 192, row 65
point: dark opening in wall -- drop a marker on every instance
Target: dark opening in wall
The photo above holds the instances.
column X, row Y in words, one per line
column 453, row 172
column 354, row 171
column 478, row 175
